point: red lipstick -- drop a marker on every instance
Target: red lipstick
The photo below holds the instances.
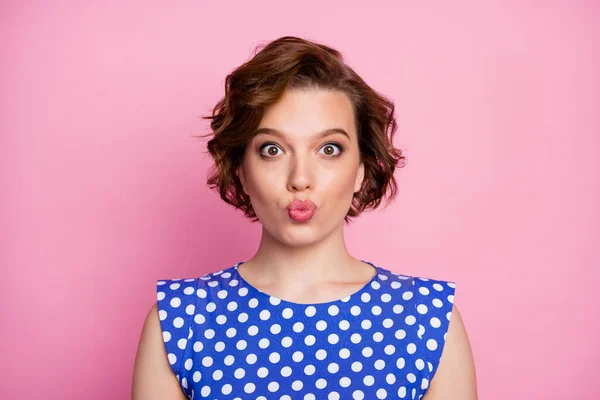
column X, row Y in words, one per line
column 301, row 210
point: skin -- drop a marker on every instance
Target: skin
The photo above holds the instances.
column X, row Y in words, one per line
column 304, row 262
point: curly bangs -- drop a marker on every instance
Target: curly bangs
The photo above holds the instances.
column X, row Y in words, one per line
column 295, row 63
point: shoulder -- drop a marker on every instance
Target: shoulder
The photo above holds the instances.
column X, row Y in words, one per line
column 455, row 377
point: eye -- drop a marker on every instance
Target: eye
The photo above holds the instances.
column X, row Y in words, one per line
column 330, row 149
column 272, row 151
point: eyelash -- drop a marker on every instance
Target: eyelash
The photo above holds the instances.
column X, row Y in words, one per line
column 339, row 146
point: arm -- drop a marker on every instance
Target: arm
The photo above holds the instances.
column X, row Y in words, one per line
column 455, row 376
column 153, row 378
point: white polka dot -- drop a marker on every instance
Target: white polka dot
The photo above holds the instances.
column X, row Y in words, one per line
column 435, row 322
column 297, row 385
column 274, row 357
column 226, row 389
column 356, row 366
column 389, row 349
column 321, row 354
column 368, row 380
column 287, row 313
column 310, row 311
column 175, row 302
column 298, row 327
column 422, row 309
column 320, row 383
column 411, row 348
column 275, row 329
column 424, row 291
column 162, row 315
column 344, row 353
column 402, row 392
column 264, row 315
column 432, row 344
column 249, row 387
column 345, row 381
column 410, row 320
column 420, row 364
column 251, row 358
column 333, row 310
column 400, row 334
column 205, row 391
column 297, row 356
column 274, row 300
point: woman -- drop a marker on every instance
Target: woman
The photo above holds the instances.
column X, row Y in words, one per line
column 302, row 144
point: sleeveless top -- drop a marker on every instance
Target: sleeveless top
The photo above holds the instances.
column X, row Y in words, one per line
column 225, row 339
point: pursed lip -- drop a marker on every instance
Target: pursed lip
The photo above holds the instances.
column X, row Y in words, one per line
column 302, row 205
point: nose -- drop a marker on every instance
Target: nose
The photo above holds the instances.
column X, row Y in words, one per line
column 301, row 174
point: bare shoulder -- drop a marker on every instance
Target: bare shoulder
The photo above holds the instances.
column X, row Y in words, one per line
column 153, row 378
column 455, row 377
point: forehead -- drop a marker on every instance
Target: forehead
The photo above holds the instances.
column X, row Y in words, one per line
column 301, row 113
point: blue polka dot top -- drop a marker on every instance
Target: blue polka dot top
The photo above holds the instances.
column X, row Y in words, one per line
column 225, row 339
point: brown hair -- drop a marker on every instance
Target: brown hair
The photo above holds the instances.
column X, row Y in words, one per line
column 295, row 63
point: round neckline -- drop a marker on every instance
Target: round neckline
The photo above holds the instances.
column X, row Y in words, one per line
column 346, row 299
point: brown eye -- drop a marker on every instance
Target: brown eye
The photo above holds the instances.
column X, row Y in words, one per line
column 330, row 148
column 272, row 150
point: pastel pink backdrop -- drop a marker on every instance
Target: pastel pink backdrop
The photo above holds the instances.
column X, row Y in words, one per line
column 103, row 186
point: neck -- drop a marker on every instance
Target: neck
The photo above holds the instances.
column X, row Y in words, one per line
column 327, row 260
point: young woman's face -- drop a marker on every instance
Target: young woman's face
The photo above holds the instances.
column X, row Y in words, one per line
column 290, row 158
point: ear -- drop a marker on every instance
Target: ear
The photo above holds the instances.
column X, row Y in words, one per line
column 360, row 176
column 242, row 177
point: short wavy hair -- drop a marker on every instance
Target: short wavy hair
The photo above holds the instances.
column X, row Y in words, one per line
column 295, row 63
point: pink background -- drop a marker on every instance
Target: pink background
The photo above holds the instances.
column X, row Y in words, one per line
column 103, row 185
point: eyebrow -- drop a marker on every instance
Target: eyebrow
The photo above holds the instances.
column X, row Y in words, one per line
column 319, row 135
